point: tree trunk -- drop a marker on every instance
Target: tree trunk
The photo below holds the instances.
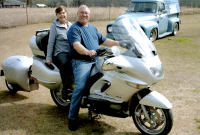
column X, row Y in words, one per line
column 2, row 3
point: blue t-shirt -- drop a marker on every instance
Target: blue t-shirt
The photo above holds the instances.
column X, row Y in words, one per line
column 88, row 36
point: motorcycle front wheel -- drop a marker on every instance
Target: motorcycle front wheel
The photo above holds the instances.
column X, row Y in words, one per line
column 160, row 123
column 57, row 98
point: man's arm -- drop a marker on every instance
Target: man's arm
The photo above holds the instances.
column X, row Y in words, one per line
column 82, row 50
column 108, row 42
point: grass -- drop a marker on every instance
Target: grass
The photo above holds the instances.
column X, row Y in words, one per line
column 36, row 113
column 180, row 57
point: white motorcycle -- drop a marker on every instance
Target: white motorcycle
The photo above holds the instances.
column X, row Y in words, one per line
column 119, row 84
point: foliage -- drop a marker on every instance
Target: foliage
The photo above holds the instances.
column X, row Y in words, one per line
column 190, row 3
column 75, row 3
column 91, row 3
column 54, row 3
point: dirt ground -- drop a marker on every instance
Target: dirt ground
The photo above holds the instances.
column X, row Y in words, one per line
column 28, row 113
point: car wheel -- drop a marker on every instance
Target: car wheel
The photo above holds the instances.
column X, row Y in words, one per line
column 175, row 29
column 153, row 35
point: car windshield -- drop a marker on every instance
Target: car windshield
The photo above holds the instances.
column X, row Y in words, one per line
column 142, row 7
column 133, row 41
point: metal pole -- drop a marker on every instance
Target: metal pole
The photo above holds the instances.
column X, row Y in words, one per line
column 27, row 14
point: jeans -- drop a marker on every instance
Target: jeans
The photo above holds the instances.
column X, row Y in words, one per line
column 63, row 62
column 81, row 70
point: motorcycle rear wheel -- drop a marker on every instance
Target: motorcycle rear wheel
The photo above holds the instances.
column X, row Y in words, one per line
column 161, row 120
column 57, row 98
column 12, row 88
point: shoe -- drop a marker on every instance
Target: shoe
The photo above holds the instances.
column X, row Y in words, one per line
column 72, row 125
column 64, row 94
column 84, row 102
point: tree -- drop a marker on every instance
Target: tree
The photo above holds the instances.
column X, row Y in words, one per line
column 2, row 3
column 78, row 2
column 28, row 2
column 54, row 3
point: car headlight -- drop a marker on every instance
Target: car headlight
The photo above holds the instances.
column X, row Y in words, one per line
column 157, row 71
column 110, row 29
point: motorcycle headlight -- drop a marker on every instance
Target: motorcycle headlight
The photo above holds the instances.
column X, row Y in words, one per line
column 110, row 29
column 157, row 71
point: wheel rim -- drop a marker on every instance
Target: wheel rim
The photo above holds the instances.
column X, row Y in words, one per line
column 57, row 96
column 157, row 121
column 10, row 86
column 153, row 35
column 175, row 28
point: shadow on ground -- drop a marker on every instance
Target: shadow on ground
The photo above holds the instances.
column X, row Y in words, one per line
column 8, row 97
column 45, row 119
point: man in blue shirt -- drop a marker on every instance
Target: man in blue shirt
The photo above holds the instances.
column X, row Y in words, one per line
column 84, row 40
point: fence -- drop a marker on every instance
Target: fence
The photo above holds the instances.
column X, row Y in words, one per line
column 20, row 16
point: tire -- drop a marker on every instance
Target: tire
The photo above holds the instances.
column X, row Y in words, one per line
column 57, row 98
column 161, row 120
column 12, row 88
column 175, row 29
column 153, row 35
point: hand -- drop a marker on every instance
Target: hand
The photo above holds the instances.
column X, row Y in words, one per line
column 91, row 53
column 125, row 44
column 48, row 62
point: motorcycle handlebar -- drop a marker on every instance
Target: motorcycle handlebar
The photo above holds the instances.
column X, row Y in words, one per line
column 101, row 51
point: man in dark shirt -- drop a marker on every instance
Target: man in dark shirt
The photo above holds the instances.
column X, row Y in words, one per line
column 84, row 40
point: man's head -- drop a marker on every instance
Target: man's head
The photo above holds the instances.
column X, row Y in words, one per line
column 83, row 15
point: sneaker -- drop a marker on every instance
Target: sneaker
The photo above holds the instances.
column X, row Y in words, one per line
column 72, row 125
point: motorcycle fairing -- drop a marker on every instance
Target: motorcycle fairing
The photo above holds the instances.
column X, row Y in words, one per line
column 127, row 29
column 131, row 66
column 157, row 100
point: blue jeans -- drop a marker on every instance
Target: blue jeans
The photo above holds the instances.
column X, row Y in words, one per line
column 81, row 70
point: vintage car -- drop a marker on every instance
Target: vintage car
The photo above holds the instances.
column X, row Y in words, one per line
column 157, row 18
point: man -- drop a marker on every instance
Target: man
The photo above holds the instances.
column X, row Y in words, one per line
column 84, row 40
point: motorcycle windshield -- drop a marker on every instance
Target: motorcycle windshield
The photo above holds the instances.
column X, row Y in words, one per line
column 132, row 40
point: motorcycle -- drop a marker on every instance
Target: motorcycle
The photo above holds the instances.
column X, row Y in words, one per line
column 119, row 84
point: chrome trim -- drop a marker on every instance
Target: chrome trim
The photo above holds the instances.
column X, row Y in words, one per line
column 43, row 81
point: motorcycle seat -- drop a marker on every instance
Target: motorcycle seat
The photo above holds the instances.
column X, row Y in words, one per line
column 42, row 41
